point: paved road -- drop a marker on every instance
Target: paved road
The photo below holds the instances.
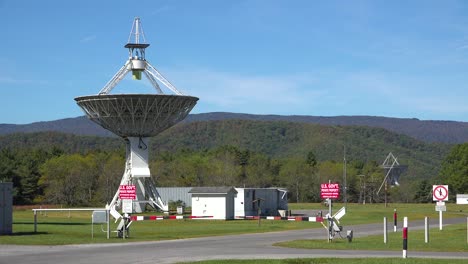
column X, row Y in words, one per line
column 248, row 246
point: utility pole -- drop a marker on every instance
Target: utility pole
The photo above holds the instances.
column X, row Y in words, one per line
column 344, row 176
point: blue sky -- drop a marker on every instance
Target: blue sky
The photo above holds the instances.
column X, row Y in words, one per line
column 405, row 59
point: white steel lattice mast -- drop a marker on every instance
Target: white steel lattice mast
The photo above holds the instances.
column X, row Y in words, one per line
column 135, row 118
column 393, row 170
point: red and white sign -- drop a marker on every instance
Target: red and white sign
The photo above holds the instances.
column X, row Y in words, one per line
column 330, row 190
column 127, row 192
column 440, row 192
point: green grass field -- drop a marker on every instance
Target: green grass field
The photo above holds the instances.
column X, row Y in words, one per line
column 59, row 228
column 452, row 238
column 374, row 213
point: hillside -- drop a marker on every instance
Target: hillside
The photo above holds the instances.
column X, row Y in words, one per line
column 425, row 130
column 77, row 126
column 68, row 143
column 288, row 139
column 428, row 131
column 277, row 139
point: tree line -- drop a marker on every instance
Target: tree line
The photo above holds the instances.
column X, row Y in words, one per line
column 91, row 178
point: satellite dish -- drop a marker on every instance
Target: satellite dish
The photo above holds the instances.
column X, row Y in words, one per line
column 135, row 118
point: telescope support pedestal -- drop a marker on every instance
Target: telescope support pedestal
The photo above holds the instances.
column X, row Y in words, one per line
column 137, row 173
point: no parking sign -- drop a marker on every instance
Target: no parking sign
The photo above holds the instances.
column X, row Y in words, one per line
column 440, row 193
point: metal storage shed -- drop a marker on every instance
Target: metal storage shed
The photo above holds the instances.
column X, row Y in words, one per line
column 6, row 208
column 176, row 194
column 274, row 201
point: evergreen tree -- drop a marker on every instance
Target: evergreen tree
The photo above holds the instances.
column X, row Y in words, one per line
column 424, row 192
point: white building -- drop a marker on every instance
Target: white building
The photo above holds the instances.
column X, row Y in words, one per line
column 230, row 202
column 462, row 198
column 217, row 202
column 273, row 201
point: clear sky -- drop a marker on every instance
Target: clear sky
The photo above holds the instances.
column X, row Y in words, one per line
column 405, row 59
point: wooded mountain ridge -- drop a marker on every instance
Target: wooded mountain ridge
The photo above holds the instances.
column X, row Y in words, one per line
column 276, row 139
column 425, row 130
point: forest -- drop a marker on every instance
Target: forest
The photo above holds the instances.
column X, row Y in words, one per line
column 57, row 168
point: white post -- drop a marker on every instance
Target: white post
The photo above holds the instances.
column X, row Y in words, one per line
column 35, row 221
column 108, row 226
column 426, row 229
column 330, row 223
column 385, row 230
column 440, row 220
column 124, row 227
column 405, row 237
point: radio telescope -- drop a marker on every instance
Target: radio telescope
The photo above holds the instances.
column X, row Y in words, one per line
column 135, row 118
column 393, row 170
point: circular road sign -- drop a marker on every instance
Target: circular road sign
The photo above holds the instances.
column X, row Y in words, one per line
column 440, row 192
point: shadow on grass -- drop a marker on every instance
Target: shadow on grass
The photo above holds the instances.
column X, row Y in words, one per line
column 28, row 233
column 52, row 223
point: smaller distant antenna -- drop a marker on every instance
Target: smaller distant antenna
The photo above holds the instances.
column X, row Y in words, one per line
column 389, row 163
column 393, row 170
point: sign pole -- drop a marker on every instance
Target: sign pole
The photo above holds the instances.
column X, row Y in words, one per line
column 440, row 194
column 108, row 225
column 330, row 220
column 330, row 191
column 329, row 215
column 35, row 221
column 440, row 220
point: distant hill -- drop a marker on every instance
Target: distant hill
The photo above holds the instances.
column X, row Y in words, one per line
column 428, row 131
column 77, row 126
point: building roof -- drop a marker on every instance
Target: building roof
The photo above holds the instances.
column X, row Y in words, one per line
column 222, row 190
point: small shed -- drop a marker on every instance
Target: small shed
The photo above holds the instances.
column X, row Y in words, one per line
column 274, row 201
column 217, row 202
column 175, row 194
column 462, row 198
column 6, row 208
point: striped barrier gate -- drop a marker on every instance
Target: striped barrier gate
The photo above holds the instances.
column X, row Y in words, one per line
column 177, row 217
column 165, row 217
column 289, row 218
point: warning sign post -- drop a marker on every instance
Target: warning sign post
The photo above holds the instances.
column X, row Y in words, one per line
column 440, row 194
column 329, row 191
column 127, row 192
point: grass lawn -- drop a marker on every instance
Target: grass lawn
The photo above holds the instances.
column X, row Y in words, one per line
column 58, row 228
column 374, row 213
column 452, row 238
